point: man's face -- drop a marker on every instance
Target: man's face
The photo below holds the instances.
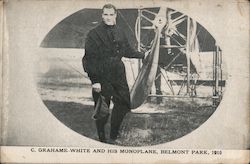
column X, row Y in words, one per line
column 109, row 16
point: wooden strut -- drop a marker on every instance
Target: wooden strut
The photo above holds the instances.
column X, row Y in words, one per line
column 188, row 55
column 217, row 61
column 220, row 54
column 217, row 75
column 139, row 38
column 178, row 96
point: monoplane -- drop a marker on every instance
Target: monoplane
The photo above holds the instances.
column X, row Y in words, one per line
column 183, row 54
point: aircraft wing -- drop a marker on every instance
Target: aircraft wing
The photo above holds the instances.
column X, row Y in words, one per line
column 71, row 32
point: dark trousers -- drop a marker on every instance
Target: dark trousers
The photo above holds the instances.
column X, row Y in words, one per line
column 115, row 88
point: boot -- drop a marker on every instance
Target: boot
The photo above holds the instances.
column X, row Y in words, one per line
column 100, row 126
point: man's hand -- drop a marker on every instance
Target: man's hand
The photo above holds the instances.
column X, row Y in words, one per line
column 146, row 56
column 97, row 87
column 147, row 53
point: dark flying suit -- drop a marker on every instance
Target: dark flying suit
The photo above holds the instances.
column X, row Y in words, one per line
column 105, row 46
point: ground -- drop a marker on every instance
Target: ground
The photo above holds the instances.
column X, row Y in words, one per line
column 149, row 124
column 66, row 91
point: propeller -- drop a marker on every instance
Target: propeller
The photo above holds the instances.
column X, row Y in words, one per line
column 147, row 74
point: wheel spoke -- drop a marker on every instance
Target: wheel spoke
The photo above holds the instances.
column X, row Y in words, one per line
column 148, row 27
column 178, row 21
column 179, row 18
column 173, row 12
column 151, row 21
column 150, row 12
column 176, row 41
column 180, row 34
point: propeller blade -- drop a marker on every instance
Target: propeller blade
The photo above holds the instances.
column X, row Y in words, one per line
column 147, row 74
column 146, row 77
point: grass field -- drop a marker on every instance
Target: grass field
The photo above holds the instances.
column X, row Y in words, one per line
column 149, row 124
column 66, row 91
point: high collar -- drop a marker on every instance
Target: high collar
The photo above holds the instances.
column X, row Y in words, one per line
column 108, row 26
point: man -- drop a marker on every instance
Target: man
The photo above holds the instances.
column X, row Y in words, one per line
column 105, row 46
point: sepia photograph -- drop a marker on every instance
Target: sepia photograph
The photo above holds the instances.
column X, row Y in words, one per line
column 159, row 74
column 110, row 81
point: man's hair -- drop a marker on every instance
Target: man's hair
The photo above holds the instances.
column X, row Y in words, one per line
column 109, row 6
